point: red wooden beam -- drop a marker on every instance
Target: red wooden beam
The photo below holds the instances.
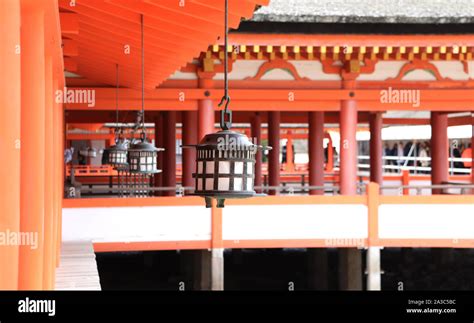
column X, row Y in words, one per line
column 69, row 23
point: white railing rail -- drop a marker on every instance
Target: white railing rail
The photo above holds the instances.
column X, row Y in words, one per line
column 402, row 164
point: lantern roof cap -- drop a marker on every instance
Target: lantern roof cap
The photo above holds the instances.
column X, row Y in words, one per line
column 224, row 137
column 144, row 146
column 119, row 146
column 225, row 140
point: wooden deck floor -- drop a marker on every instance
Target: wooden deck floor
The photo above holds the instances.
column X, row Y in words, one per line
column 78, row 268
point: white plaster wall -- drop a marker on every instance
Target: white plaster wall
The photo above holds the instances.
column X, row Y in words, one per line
column 452, row 69
column 419, row 75
column 383, row 71
column 426, row 221
column 127, row 224
column 316, row 221
column 242, row 69
column 471, row 69
column 314, row 71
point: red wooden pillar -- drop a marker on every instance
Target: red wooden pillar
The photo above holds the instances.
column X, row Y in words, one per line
column 256, row 133
column 169, row 155
column 62, row 169
column 206, row 125
column 158, row 179
column 274, row 154
column 10, row 116
column 406, row 181
column 206, row 115
column 348, row 144
column 350, row 259
column 48, row 184
column 57, row 167
column 32, row 143
column 472, row 155
column 439, row 149
column 376, row 149
column 317, row 257
column 316, row 151
column 190, row 137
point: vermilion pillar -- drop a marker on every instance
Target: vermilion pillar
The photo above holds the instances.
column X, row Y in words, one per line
column 439, row 149
column 206, row 120
column 316, row 151
column 48, row 171
column 376, row 153
column 190, row 137
column 274, row 154
column 62, row 170
column 57, row 167
column 159, row 143
column 350, row 259
column 10, row 112
column 348, row 144
column 206, row 117
column 169, row 155
column 32, row 143
column 317, row 257
column 472, row 154
column 61, row 131
column 256, row 133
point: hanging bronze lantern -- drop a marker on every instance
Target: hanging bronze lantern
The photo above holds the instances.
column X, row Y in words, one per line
column 134, row 179
column 225, row 166
column 116, row 155
column 142, row 157
column 225, row 161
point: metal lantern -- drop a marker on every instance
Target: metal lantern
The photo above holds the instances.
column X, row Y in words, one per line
column 134, row 178
column 116, row 156
column 225, row 166
column 142, row 157
column 225, row 163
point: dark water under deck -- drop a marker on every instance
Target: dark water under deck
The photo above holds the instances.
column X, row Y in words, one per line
column 277, row 269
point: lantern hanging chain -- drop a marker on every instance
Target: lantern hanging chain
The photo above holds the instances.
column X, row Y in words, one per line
column 226, row 125
column 117, row 131
column 143, row 77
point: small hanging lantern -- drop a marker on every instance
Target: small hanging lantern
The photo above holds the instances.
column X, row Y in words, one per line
column 225, row 163
column 225, row 167
column 134, row 179
column 142, row 156
column 116, row 156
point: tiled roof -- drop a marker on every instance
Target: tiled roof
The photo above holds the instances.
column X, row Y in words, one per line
column 368, row 11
